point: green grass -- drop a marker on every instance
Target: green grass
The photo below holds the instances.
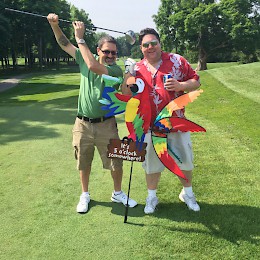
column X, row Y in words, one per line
column 40, row 186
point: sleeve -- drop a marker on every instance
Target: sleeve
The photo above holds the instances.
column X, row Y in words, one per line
column 114, row 71
column 79, row 57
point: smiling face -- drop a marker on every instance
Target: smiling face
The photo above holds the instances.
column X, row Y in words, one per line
column 110, row 57
column 151, row 51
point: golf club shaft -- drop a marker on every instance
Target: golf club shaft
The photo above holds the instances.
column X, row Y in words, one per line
column 108, row 30
column 128, row 194
column 62, row 20
column 33, row 14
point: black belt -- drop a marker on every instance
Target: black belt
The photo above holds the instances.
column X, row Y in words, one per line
column 94, row 120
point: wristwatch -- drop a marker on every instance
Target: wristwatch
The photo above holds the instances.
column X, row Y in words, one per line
column 80, row 41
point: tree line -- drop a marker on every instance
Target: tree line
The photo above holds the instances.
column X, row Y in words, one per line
column 201, row 30
column 211, row 30
column 31, row 37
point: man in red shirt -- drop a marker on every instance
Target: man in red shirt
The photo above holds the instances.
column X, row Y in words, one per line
column 152, row 67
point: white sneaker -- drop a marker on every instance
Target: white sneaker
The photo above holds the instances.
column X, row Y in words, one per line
column 82, row 206
column 190, row 201
column 151, row 204
column 122, row 198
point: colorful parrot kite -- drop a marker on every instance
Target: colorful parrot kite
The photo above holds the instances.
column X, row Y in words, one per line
column 138, row 118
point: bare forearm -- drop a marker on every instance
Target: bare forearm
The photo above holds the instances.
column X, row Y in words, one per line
column 61, row 39
column 91, row 61
column 190, row 85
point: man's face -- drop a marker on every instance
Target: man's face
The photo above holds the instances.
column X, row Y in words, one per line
column 107, row 53
column 151, row 48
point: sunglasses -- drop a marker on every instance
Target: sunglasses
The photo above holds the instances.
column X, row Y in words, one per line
column 107, row 52
column 153, row 43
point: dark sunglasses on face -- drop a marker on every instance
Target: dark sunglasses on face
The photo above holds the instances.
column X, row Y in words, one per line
column 153, row 43
column 107, row 52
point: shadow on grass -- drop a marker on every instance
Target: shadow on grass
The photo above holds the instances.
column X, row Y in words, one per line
column 33, row 119
column 24, row 93
column 234, row 223
column 119, row 208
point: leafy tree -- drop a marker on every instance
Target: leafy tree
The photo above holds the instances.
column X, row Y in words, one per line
column 165, row 24
column 243, row 25
column 52, row 52
column 81, row 15
column 5, row 38
column 209, row 26
column 124, row 48
column 32, row 37
column 205, row 31
column 136, row 52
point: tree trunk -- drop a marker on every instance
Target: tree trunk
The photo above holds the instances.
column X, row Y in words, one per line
column 40, row 52
column 13, row 58
column 202, row 62
column 6, row 59
column 25, row 52
column 30, row 56
column 57, row 62
column 2, row 63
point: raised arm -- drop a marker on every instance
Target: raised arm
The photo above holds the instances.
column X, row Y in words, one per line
column 61, row 39
column 95, row 66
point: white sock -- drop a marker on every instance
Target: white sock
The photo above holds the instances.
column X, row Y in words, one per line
column 152, row 193
column 85, row 193
column 188, row 191
column 117, row 192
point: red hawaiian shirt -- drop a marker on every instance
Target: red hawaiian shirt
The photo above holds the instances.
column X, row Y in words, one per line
column 173, row 64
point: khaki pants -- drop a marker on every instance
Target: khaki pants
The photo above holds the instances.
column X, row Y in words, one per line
column 87, row 136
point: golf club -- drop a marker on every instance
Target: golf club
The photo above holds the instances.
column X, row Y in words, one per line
column 128, row 193
column 130, row 35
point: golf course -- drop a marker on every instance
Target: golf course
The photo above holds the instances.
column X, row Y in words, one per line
column 40, row 187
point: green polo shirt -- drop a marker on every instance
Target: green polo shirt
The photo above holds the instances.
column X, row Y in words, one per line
column 91, row 88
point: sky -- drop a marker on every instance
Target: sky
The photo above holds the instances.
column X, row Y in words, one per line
column 120, row 15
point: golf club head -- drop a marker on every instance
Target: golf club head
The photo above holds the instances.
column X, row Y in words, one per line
column 130, row 37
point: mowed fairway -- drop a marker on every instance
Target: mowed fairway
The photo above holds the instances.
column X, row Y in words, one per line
column 39, row 183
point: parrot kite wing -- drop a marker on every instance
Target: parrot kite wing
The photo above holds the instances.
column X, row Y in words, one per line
column 113, row 101
column 174, row 124
column 166, row 123
column 178, row 103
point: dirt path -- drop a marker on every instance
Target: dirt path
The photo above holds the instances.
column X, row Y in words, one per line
column 11, row 82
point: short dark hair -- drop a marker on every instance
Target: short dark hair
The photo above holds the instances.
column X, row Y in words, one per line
column 148, row 31
column 106, row 38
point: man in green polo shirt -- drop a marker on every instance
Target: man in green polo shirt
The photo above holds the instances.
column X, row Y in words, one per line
column 91, row 128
